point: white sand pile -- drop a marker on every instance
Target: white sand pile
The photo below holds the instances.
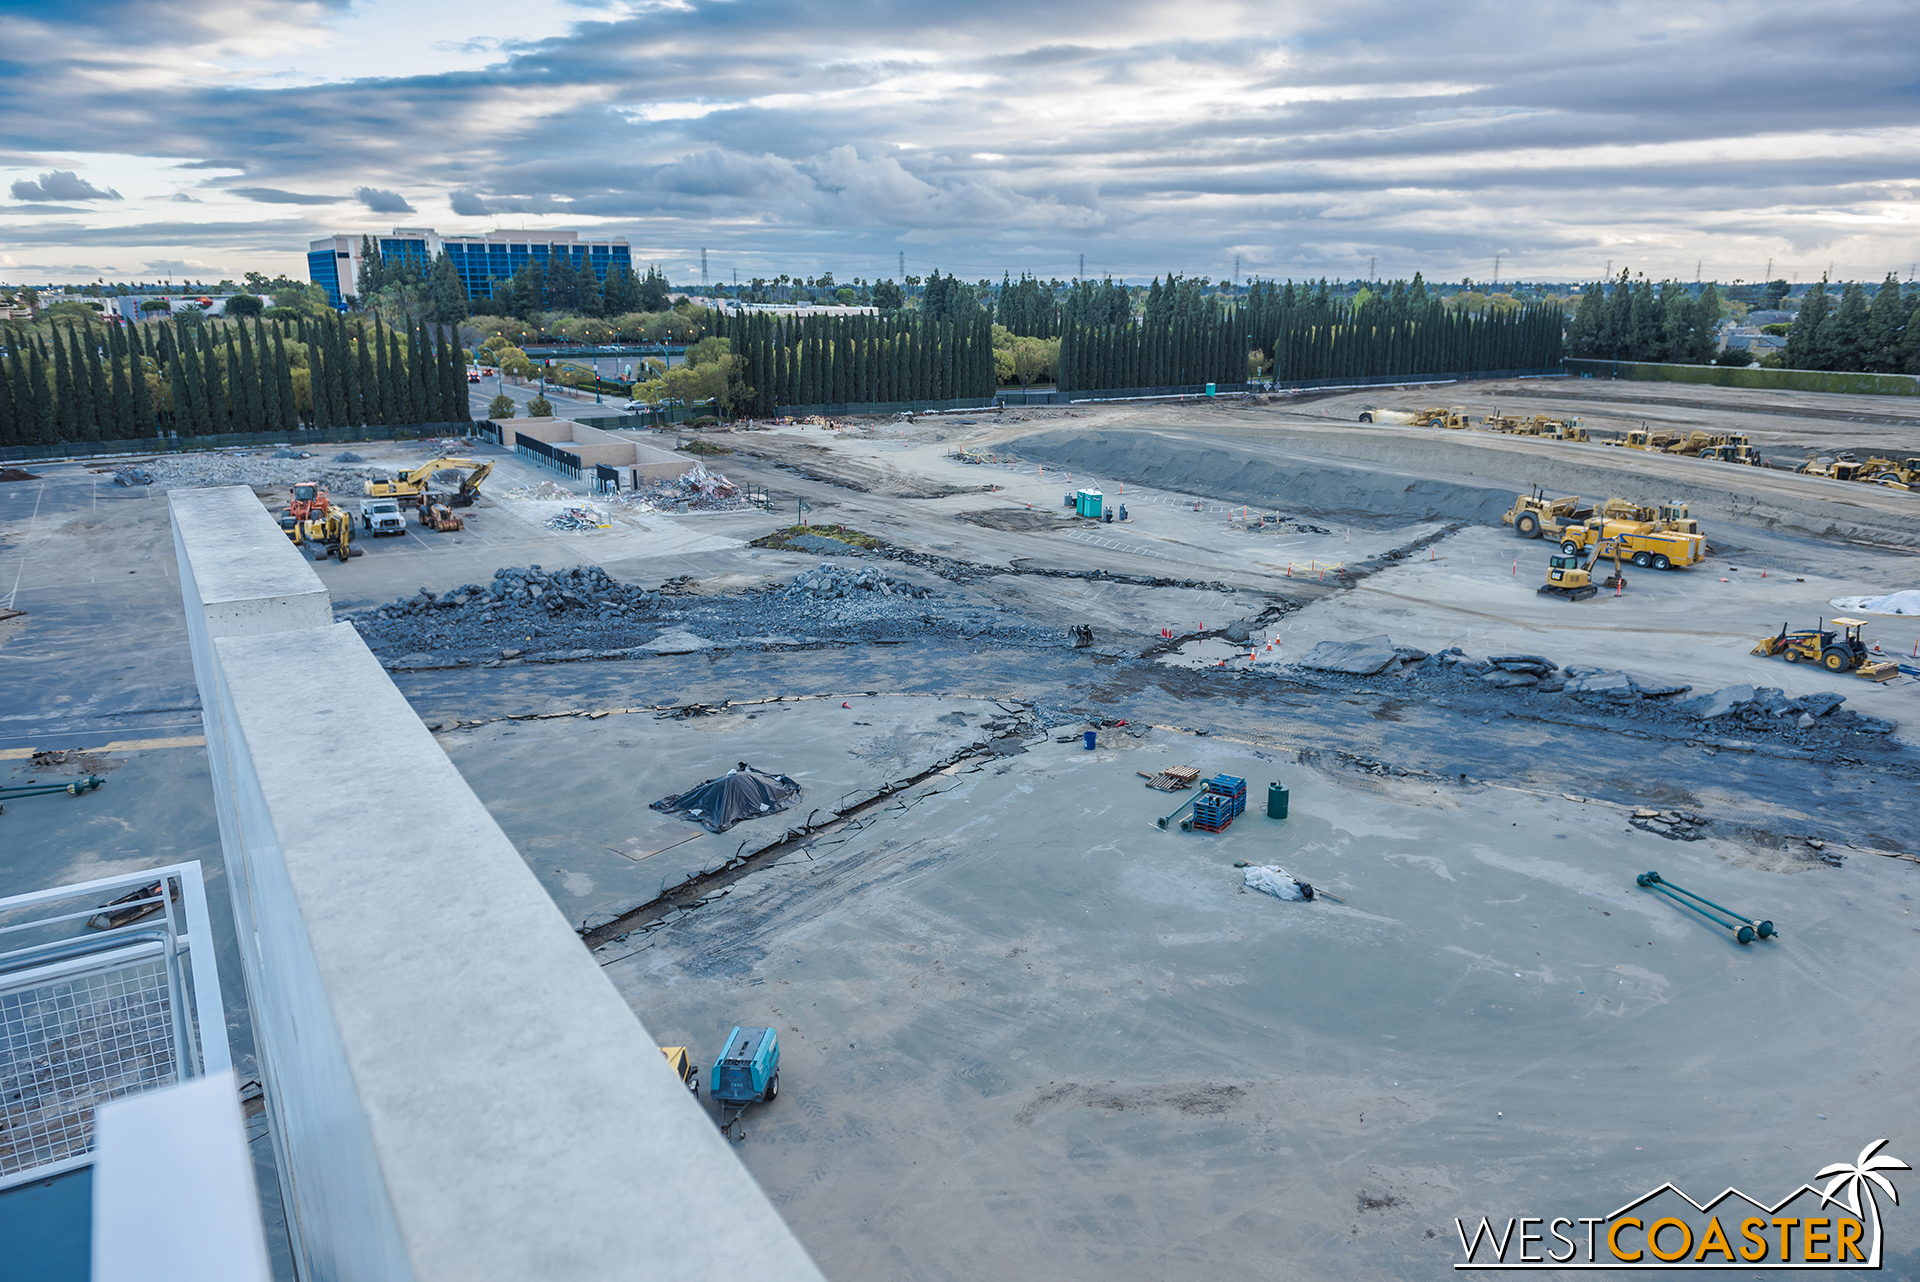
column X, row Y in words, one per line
column 1907, row 602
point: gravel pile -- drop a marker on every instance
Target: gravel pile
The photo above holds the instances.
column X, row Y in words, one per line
column 583, row 612
column 838, row 583
column 192, row 471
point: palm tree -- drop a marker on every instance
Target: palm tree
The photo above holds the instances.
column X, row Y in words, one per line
column 1860, row 1176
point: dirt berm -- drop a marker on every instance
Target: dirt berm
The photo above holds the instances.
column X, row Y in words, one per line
column 1411, row 475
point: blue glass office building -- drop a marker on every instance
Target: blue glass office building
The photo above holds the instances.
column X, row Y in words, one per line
column 334, row 263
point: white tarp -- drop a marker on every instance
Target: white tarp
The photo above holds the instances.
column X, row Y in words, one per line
column 1275, row 881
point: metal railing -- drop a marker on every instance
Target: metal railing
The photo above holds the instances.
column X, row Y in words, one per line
column 561, row 461
column 110, row 989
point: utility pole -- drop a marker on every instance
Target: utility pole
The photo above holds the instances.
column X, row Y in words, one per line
column 703, row 271
column 1609, row 269
column 1496, row 271
column 1236, row 271
column 1769, row 269
column 1696, row 271
column 1373, row 265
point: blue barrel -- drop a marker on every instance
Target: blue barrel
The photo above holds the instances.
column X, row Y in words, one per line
column 1277, row 801
column 1089, row 741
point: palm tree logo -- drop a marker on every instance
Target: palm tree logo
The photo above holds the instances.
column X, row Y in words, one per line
column 1860, row 1176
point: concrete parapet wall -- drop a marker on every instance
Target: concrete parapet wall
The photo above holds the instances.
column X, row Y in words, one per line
column 457, row 1090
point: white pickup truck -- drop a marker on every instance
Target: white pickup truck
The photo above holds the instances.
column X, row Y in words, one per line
column 382, row 516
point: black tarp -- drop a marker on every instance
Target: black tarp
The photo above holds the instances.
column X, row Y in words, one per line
column 741, row 793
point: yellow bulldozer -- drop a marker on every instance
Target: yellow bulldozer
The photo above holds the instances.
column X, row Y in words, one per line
column 1837, row 649
column 411, row 486
column 329, row 534
column 1454, row 419
column 1641, row 438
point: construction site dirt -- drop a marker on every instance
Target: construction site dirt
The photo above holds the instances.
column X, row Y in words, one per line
column 1029, row 1032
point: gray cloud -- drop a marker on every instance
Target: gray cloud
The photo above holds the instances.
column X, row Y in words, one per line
column 61, row 184
column 1429, row 137
column 471, row 204
column 274, row 196
column 381, row 201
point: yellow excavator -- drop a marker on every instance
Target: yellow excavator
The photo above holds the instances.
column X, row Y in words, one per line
column 1571, row 579
column 327, row 534
column 411, row 485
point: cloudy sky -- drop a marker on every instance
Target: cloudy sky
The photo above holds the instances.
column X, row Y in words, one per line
column 204, row 138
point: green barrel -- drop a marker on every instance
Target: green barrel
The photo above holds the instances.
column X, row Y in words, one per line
column 1276, row 801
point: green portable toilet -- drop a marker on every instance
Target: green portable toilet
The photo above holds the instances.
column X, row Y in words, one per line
column 1089, row 504
column 1210, row 387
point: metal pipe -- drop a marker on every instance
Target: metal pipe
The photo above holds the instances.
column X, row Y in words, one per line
column 1743, row 933
column 1763, row 929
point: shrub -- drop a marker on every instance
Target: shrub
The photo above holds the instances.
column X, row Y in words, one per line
column 705, row 420
column 539, row 407
column 501, row 406
column 245, row 305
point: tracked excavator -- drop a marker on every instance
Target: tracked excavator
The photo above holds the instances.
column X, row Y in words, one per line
column 412, row 486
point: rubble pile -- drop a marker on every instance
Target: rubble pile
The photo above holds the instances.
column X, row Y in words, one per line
column 837, row 582
column 261, row 471
column 583, row 612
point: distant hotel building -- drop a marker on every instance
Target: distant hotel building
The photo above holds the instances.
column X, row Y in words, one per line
column 333, row 263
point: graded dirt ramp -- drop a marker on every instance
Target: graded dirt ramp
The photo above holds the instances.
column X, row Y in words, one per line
column 1408, row 474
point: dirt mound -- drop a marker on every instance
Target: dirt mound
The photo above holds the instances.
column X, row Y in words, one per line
column 15, row 474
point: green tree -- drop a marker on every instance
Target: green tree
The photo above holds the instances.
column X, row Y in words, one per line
column 145, row 421
column 120, row 427
column 619, row 292
column 539, row 407
column 448, row 294
column 248, row 401
column 212, row 406
column 653, row 291
column 1707, row 311
column 1804, row 350
column 1848, row 341
column 373, row 272
column 244, row 306
column 283, row 374
column 1886, row 323
column 45, row 415
column 500, row 406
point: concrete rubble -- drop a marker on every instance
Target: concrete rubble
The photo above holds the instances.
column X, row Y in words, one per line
column 583, row 612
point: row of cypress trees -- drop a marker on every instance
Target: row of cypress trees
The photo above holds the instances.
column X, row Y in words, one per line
column 195, row 379
column 838, row 360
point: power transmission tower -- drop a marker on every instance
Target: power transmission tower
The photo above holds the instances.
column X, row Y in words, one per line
column 703, row 271
column 903, row 266
column 1236, row 271
column 1496, row 271
column 1696, row 271
column 1769, row 269
column 1373, row 265
column 1083, row 267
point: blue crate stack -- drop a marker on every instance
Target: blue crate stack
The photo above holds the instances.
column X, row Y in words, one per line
column 1224, row 797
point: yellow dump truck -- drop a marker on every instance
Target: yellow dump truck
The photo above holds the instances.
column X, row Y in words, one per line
column 1671, row 540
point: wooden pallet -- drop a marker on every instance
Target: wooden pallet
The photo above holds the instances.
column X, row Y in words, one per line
column 1172, row 779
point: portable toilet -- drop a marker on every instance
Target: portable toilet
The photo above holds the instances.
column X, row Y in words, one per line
column 1089, row 503
column 1210, row 388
